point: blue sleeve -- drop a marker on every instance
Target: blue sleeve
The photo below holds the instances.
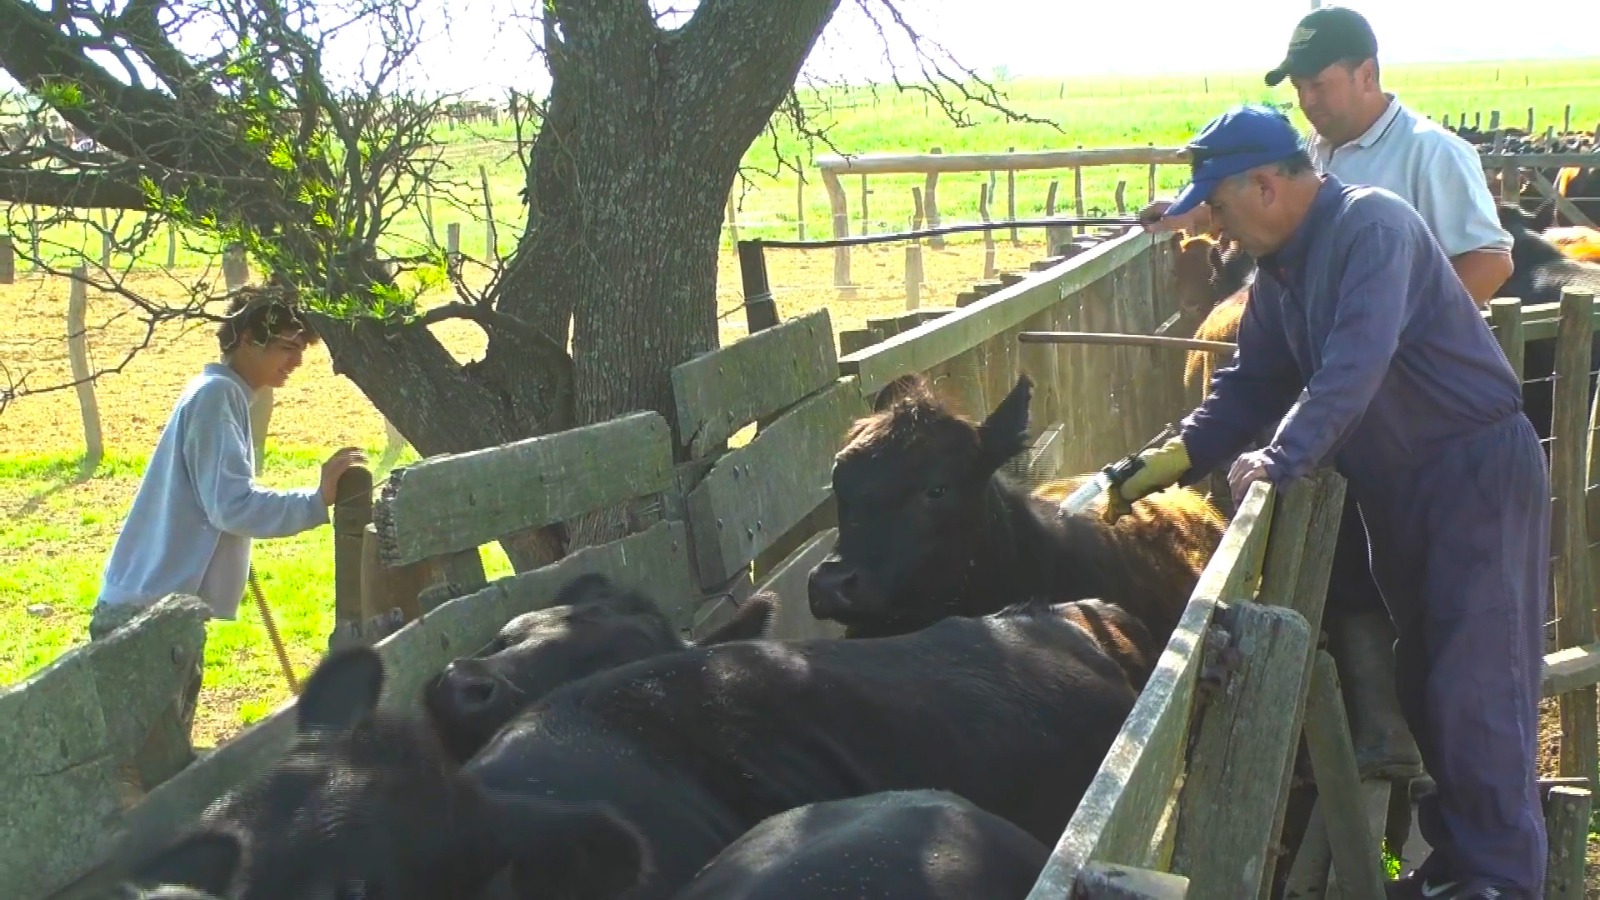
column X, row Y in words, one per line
column 1373, row 307
column 1247, row 395
column 217, row 455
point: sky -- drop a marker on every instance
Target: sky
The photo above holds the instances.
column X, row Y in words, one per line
column 1059, row 37
column 481, row 47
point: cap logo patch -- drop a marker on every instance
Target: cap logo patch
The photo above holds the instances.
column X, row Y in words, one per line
column 1302, row 36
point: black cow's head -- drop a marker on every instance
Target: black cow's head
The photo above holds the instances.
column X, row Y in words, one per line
column 595, row 625
column 914, row 484
column 364, row 805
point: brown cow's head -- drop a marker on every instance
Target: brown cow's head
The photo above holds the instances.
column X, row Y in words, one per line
column 913, row 482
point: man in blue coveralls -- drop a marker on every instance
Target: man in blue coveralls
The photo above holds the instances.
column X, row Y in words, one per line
column 1406, row 392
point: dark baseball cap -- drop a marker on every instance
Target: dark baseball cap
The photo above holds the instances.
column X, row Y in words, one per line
column 1246, row 136
column 1324, row 37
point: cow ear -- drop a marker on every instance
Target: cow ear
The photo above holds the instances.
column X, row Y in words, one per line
column 570, row 849
column 341, row 692
column 1005, row 433
column 204, row 860
column 913, row 385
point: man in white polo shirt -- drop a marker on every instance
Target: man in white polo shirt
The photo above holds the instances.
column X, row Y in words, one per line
column 1364, row 135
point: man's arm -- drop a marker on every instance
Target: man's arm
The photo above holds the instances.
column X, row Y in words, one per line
column 217, row 455
column 1483, row 272
column 1374, row 304
column 1245, row 396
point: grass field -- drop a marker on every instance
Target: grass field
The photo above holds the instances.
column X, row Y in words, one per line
column 56, row 526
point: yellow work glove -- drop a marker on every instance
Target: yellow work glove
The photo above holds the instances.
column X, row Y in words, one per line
column 1162, row 467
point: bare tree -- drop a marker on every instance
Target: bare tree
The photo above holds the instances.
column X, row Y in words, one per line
column 629, row 161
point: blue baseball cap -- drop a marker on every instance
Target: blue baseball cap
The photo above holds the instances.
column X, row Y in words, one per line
column 1237, row 141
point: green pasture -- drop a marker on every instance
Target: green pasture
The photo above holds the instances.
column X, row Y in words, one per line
column 1090, row 112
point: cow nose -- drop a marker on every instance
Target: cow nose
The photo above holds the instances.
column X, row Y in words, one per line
column 471, row 690
column 831, row 589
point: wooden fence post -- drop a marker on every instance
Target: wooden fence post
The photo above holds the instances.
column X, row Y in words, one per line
column 1567, row 822
column 78, row 351
column 988, row 233
column 8, row 259
column 352, row 513
column 1569, row 534
column 493, row 244
column 930, row 192
column 839, row 206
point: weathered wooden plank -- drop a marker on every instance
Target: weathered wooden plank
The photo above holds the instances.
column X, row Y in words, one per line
column 1352, row 844
column 1305, row 531
column 67, row 730
column 1240, row 751
column 793, row 620
column 654, row 561
column 720, row 392
column 1574, row 598
column 1506, row 314
column 1567, row 823
column 1108, row 882
column 931, row 343
column 1122, row 808
column 1569, row 669
column 756, row 493
column 461, row 501
column 857, row 339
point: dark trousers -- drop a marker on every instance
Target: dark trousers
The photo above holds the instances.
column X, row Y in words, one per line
column 1460, row 548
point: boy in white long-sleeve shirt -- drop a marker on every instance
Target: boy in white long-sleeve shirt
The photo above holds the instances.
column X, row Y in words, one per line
column 198, row 506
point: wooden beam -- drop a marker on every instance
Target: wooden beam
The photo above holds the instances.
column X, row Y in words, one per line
column 461, row 501
column 1569, row 538
column 1569, row 669
column 932, row 343
column 1355, row 850
column 884, row 163
column 1107, row 882
column 924, row 163
column 1122, row 808
column 1563, row 205
column 1567, row 823
column 755, row 494
column 655, row 560
column 720, row 392
column 1122, row 340
column 1240, row 752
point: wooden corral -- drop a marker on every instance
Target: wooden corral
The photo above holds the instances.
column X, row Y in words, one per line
column 1176, row 809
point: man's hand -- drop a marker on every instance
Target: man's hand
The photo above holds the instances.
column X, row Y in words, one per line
column 1248, row 469
column 335, row 467
column 1162, row 467
column 1154, row 218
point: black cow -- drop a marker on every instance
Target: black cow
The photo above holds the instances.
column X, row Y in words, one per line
column 595, row 625
column 1540, row 271
column 931, row 526
column 627, row 782
column 897, row 845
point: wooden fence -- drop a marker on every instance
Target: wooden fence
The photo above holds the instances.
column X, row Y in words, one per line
column 1515, row 172
column 713, row 516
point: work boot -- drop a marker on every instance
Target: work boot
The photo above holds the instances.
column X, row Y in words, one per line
column 1362, row 647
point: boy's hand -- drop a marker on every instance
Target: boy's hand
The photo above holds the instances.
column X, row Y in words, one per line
column 335, row 467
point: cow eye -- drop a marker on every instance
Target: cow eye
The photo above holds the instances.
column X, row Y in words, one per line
column 937, row 491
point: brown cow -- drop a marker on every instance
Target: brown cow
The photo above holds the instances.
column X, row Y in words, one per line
column 1208, row 271
column 929, row 527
